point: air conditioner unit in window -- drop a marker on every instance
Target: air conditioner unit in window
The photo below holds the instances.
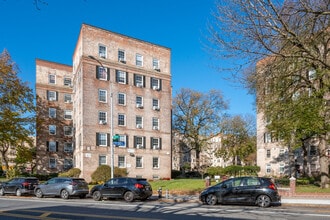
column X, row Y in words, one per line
column 155, row 108
column 51, row 99
column 155, row 88
column 155, row 127
column 138, row 126
column 102, row 122
column 139, row 85
column 139, row 146
column 156, row 68
column 156, row 147
column 139, row 105
column 122, row 60
column 68, row 101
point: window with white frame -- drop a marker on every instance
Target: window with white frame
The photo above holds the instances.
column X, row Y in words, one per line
column 68, row 131
column 139, row 162
column 139, row 101
column 139, row 122
column 139, row 142
column 51, row 78
column 121, row 161
column 121, row 98
column 52, row 146
column 67, row 98
column 52, row 163
column 52, row 129
column 52, row 112
column 101, row 139
column 155, row 162
column 102, row 51
column 155, row 64
column 102, row 95
column 155, row 123
column 121, row 56
column 268, row 153
column 102, row 73
column 138, row 80
column 267, row 137
column 313, row 151
column 67, row 81
column 312, row 74
column 139, row 60
column 281, row 171
column 155, row 143
column 68, row 163
column 102, row 117
column 121, row 120
column 102, row 160
column 68, row 147
column 155, row 104
column 68, row 114
column 121, row 77
column 155, row 83
column 268, row 168
column 52, row 95
column 123, row 139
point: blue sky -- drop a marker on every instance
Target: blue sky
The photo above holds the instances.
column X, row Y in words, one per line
column 51, row 33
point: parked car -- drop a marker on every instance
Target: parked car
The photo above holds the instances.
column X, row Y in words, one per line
column 123, row 188
column 65, row 187
column 19, row 186
column 242, row 190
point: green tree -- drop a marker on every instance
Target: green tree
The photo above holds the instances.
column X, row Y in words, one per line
column 17, row 109
column 25, row 155
column 101, row 174
column 288, row 41
column 196, row 117
column 239, row 139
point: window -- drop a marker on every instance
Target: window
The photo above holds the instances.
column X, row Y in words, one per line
column 121, row 77
column 268, row 154
column 102, row 117
column 155, row 162
column 67, row 98
column 52, row 96
column 155, row 104
column 155, row 123
column 139, row 80
column 155, row 84
column 102, row 139
column 313, row 151
column 121, row 119
column 267, row 137
column 139, row 60
column 268, row 168
column 139, row 142
column 102, row 160
column 68, row 114
column 67, row 81
column 139, row 101
column 139, row 122
column 52, row 129
column 155, row 64
column 52, row 112
column 121, row 56
column 102, row 95
column 68, row 131
column 52, row 163
column 51, row 78
column 281, row 171
column 68, row 147
column 139, row 162
column 312, row 74
column 68, row 163
column 52, row 146
column 155, row 143
column 121, row 98
column 121, row 162
column 123, row 140
column 102, row 51
column 102, row 73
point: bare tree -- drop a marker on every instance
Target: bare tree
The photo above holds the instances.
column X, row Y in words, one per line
column 288, row 41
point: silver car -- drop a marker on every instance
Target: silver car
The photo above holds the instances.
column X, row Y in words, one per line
column 65, row 187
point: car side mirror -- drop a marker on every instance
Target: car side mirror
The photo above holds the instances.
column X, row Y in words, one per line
column 224, row 186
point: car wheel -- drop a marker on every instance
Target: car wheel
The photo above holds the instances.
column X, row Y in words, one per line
column 18, row 192
column 128, row 196
column 39, row 193
column 64, row 194
column 97, row 196
column 211, row 199
column 2, row 192
column 263, row 201
column 82, row 196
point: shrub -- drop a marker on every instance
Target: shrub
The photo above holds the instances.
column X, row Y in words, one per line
column 119, row 172
column 176, row 173
column 101, row 174
column 74, row 172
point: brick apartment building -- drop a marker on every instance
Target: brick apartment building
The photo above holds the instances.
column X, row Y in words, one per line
column 119, row 86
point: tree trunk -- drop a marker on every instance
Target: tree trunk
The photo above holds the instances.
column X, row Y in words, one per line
column 324, row 162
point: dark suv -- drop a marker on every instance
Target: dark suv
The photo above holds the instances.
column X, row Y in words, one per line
column 19, row 186
column 122, row 187
column 242, row 190
column 63, row 187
